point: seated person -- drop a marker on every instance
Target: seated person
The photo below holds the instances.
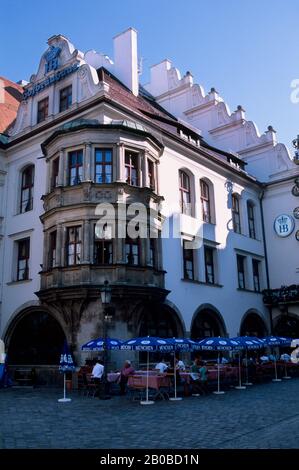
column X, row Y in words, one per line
column 203, row 375
column 180, row 365
column 195, row 378
column 126, row 370
column 161, row 366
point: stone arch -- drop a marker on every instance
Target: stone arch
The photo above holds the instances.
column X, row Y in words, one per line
column 253, row 324
column 207, row 321
column 286, row 325
column 34, row 336
column 159, row 319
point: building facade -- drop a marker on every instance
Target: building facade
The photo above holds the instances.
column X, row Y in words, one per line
column 157, row 189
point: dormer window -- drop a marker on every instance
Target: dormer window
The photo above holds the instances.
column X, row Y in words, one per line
column 42, row 109
column 65, row 98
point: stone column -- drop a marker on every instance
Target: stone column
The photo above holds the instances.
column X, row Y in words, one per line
column 61, row 176
column 140, row 169
column 144, row 181
column 46, row 252
column 87, row 176
column 120, row 162
column 59, row 245
column 63, row 247
column 86, row 242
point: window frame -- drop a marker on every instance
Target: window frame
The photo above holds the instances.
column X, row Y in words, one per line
column 256, row 274
column 236, row 214
column 251, row 220
column 132, row 242
column 76, row 243
column 42, row 111
column 25, row 187
column 26, row 258
column 208, row 250
column 52, row 249
column 241, row 272
column 54, row 175
column 151, row 174
column 205, row 199
column 103, row 164
column 188, row 257
column 129, row 166
column 185, row 190
column 68, row 97
column 77, row 166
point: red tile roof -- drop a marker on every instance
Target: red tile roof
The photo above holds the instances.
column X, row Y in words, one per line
column 9, row 102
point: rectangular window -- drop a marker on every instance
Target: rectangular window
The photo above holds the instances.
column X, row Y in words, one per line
column 188, row 262
column 131, row 168
column 55, row 171
column 151, row 174
column 241, row 271
column 52, row 251
column 65, row 98
column 205, row 201
column 75, row 167
column 23, row 259
column 27, row 186
column 236, row 214
column 256, row 275
column 132, row 251
column 103, row 166
column 103, row 248
column 209, row 265
column 42, row 109
column 251, row 221
column 152, row 261
column 73, row 248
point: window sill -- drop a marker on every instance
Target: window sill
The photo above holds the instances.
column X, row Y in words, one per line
column 12, row 283
column 195, row 281
column 249, row 290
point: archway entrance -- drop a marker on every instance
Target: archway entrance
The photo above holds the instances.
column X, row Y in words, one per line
column 162, row 321
column 37, row 339
column 253, row 325
column 207, row 323
column 287, row 326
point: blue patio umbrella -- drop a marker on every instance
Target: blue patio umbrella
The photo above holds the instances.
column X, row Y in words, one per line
column 98, row 344
column 273, row 341
column 147, row 344
column 248, row 342
column 66, row 364
column 219, row 344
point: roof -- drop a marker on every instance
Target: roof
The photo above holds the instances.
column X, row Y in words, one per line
column 9, row 103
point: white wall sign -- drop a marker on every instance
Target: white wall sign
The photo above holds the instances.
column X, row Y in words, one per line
column 284, row 225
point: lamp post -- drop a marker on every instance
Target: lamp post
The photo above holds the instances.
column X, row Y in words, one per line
column 106, row 299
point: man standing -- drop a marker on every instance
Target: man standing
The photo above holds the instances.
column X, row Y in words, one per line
column 97, row 374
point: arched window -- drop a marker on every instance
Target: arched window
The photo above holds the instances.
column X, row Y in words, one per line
column 185, row 193
column 27, row 184
column 205, row 201
column 236, row 213
column 251, row 219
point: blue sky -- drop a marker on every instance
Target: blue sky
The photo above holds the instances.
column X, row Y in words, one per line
column 247, row 50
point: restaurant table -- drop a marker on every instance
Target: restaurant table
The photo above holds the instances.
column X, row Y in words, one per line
column 154, row 381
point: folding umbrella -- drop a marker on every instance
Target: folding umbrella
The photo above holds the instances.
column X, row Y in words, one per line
column 66, row 365
column 181, row 344
column 276, row 341
column 248, row 342
column 219, row 344
column 148, row 344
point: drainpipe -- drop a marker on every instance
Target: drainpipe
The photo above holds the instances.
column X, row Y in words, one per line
column 261, row 197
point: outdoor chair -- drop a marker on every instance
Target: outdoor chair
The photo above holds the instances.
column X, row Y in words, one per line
column 136, row 388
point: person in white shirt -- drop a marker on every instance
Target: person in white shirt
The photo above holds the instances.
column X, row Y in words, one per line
column 161, row 366
column 180, row 365
column 98, row 370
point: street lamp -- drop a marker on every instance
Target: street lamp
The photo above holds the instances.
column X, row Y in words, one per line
column 106, row 299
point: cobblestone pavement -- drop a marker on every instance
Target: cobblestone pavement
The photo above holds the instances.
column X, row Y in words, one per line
column 262, row 416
